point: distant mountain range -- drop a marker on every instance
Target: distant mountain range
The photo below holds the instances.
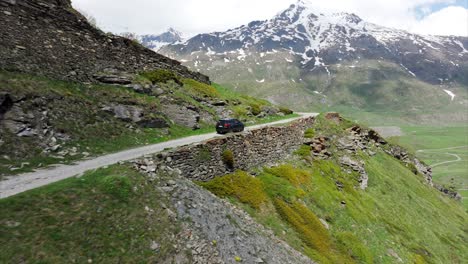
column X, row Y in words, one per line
column 155, row 42
column 310, row 60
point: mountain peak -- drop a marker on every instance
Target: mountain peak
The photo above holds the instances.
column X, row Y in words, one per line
column 155, row 42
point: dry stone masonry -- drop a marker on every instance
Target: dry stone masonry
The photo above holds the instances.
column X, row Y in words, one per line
column 250, row 149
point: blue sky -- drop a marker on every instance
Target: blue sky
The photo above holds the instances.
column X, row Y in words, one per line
column 435, row 17
column 424, row 10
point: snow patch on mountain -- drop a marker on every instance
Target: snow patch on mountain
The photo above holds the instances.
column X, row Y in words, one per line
column 450, row 93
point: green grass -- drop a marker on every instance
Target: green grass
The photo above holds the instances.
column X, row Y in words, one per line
column 397, row 212
column 100, row 216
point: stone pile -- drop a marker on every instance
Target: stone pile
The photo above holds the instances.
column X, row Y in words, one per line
column 319, row 147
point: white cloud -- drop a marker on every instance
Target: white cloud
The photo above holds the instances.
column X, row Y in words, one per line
column 452, row 20
column 197, row 16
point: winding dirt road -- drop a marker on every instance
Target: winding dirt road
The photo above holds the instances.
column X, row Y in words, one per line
column 19, row 183
column 457, row 158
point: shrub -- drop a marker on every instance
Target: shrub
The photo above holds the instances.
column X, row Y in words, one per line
column 228, row 158
column 295, row 176
column 303, row 151
column 240, row 111
column 117, row 186
column 285, row 110
column 256, row 109
column 201, row 89
column 161, row 76
column 309, row 133
column 204, row 154
column 246, row 188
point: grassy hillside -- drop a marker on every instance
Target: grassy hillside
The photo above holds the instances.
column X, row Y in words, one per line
column 398, row 218
column 117, row 215
column 82, row 119
column 107, row 216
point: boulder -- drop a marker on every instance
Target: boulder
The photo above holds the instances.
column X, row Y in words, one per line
column 183, row 116
column 270, row 110
column 113, row 79
column 127, row 113
column 153, row 123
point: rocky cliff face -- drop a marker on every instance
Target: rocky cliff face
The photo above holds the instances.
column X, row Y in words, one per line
column 48, row 37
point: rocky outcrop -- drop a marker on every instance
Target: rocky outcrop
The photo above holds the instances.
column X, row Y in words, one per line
column 135, row 114
column 412, row 162
column 213, row 230
column 250, row 149
column 67, row 47
column 357, row 167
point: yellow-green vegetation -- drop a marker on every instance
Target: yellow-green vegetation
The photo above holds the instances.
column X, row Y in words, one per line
column 309, row 228
column 293, row 175
column 309, row 133
column 96, row 217
column 285, row 110
column 303, row 151
column 397, row 213
column 160, row 76
column 240, row 185
column 256, row 109
column 228, row 158
column 200, row 89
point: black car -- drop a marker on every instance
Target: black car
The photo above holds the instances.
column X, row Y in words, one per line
column 224, row 126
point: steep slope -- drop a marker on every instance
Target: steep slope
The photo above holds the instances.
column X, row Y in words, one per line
column 155, row 42
column 313, row 60
column 113, row 93
column 349, row 197
column 66, row 47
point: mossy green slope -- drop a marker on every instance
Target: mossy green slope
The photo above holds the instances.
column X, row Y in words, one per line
column 110, row 215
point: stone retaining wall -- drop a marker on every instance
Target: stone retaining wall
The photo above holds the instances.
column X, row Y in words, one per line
column 204, row 161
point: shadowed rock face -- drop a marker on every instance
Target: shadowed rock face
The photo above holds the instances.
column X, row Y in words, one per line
column 49, row 37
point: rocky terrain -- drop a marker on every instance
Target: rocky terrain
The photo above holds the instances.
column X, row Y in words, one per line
column 320, row 189
column 322, row 61
column 67, row 47
column 113, row 93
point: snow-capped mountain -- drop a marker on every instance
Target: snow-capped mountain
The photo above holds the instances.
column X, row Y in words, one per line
column 313, row 51
column 155, row 42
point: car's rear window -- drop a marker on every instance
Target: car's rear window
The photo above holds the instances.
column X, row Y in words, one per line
column 226, row 121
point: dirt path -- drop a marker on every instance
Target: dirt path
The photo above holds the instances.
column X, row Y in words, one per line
column 19, row 183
